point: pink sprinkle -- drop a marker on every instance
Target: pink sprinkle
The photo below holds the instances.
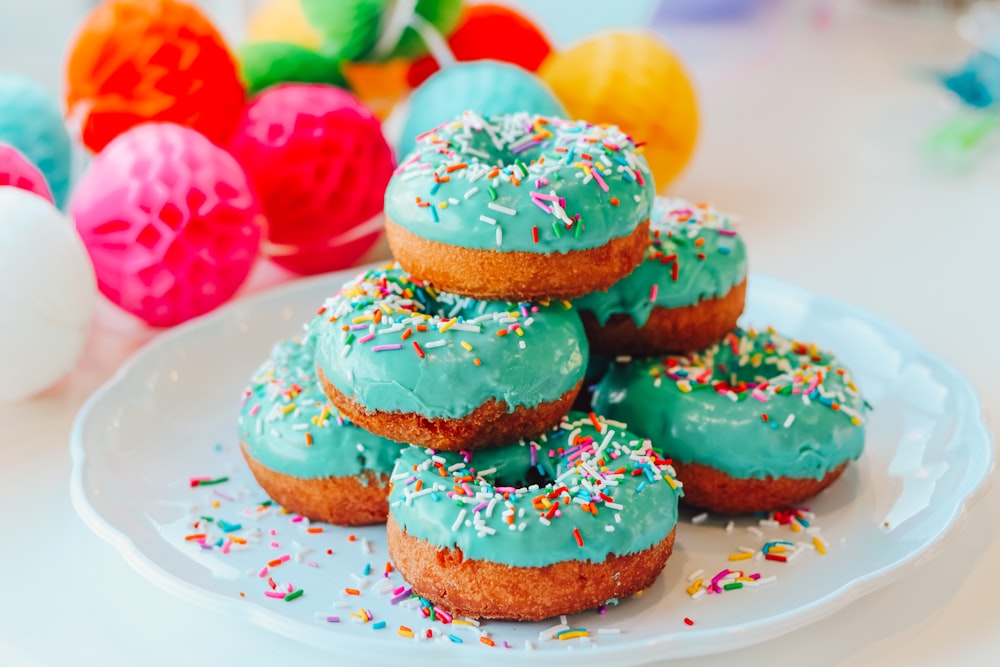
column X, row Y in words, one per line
column 263, row 572
column 255, row 409
column 638, row 177
column 727, row 232
column 311, row 563
column 284, row 558
column 296, row 519
column 274, row 594
column 275, row 545
column 365, row 339
column 443, row 615
column 542, row 206
column 652, row 292
column 225, row 547
column 597, row 177
column 390, row 346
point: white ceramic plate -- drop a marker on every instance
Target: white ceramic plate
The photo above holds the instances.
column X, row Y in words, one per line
column 170, row 414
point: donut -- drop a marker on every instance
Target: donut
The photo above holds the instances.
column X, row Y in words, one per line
column 302, row 453
column 757, row 422
column 416, row 365
column 687, row 293
column 520, row 206
column 581, row 517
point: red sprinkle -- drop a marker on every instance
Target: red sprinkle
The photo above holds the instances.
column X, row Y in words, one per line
column 579, row 538
column 420, row 352
column 688, row 621
column 780, row 559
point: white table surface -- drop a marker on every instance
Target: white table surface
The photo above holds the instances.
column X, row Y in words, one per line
column 812, row 133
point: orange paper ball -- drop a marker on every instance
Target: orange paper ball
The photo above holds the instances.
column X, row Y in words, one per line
column 630, row 79
column 151, row 60
column 490, row 32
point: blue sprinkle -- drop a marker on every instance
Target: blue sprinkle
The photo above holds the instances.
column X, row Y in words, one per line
column 725, row 250
column 457, row 640
column 434, row 213
column 368, row 569
column 642, row 485
column 626, row 177
column 435, row 187
column 378, row 625
column 229, row 527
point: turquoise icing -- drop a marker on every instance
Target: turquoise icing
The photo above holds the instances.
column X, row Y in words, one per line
column 489, row 86
column 284, row 402
column 394, row 345
column 521, row 182
column 756, row 405
column 507, row 504
column 694, row 253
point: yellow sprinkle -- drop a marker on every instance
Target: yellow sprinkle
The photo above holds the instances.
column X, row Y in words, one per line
column 447, row 325
column 693, row 588
column 467, row 346
column 795, row 527
column 777, row 549
column 216, row 504
column 574, row 634
column 671, row 481
column 385, row 308
column 519, row 331
column 855, row 421
column 288, row 408
column 743, row 555
column 362, row 318
column 443, row 204
column 404, row 631
column 567, row 305
column 460, row 621
column 819, row 544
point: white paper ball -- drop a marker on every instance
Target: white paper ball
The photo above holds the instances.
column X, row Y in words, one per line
column 47, row 294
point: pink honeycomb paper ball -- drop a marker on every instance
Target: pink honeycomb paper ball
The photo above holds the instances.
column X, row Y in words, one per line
column 317, row 157
column 17, row 171
column 171, row 223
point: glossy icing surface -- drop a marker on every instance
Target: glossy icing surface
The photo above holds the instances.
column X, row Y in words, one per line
column 756, row 405
column 694, row 253
column 392, row 344
column 288, row 425
column 570, row 495
column 521, row 182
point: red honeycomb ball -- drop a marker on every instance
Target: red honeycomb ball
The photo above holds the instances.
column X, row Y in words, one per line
column 489, row 32
column 160, row 60
column 170, row 221
column 17, row 171
column 318, row 159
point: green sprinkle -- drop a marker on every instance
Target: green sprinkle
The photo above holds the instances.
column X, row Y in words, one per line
column 733, row 586
column 579, row 229
column 493, row 193
column 349, row 339
column 555, row 228
column 210, row 482
column 206, row 518
column 294, row 594
column 523, row 167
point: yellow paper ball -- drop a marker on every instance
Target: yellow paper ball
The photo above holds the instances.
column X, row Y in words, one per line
column 630, row 79
column 283, row 21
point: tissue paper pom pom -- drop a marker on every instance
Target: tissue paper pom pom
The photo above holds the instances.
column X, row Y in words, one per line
column 631, row 80
column 269, row 63
column 488, row 31
column 31, row 122
column 170, row 222
column 320, row 164
column 377, row 29
column 489, row 87
column 47, row 317
column 160, row 60
column 16, row 171
column 283, row 21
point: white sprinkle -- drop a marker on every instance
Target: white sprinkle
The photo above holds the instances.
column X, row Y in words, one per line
column 488, row 219
column 766, row 580
column 609, row 631
column 694, row 575
column 499, row 236
column 699, row 518
column 699, row 593
column 756, row 532
column 458, row 521
column 767, row 523
column 471, row 191
column 729, row 527
column 435, row 343
column 746, row 550
column 453, row 201
column 366, row 545
column 501, row 209
column 789, row 420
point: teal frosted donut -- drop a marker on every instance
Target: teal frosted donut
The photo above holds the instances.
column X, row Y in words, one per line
column 302, row 452
column 754, row 423
column 520, row 206
column 687, row 293
column 426, row 367
column 498, row 532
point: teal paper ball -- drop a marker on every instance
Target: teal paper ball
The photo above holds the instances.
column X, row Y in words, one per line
column 488, row 87
column 31, row 121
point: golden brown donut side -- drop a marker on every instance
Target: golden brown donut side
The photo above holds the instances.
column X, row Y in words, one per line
column 343, row 501
column 517, row 276
column 484, row 589
column 668, row 330
column 492, row 423
column 714, row 490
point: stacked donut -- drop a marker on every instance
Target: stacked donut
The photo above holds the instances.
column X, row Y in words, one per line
column 754, row 421
column 435, row 392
